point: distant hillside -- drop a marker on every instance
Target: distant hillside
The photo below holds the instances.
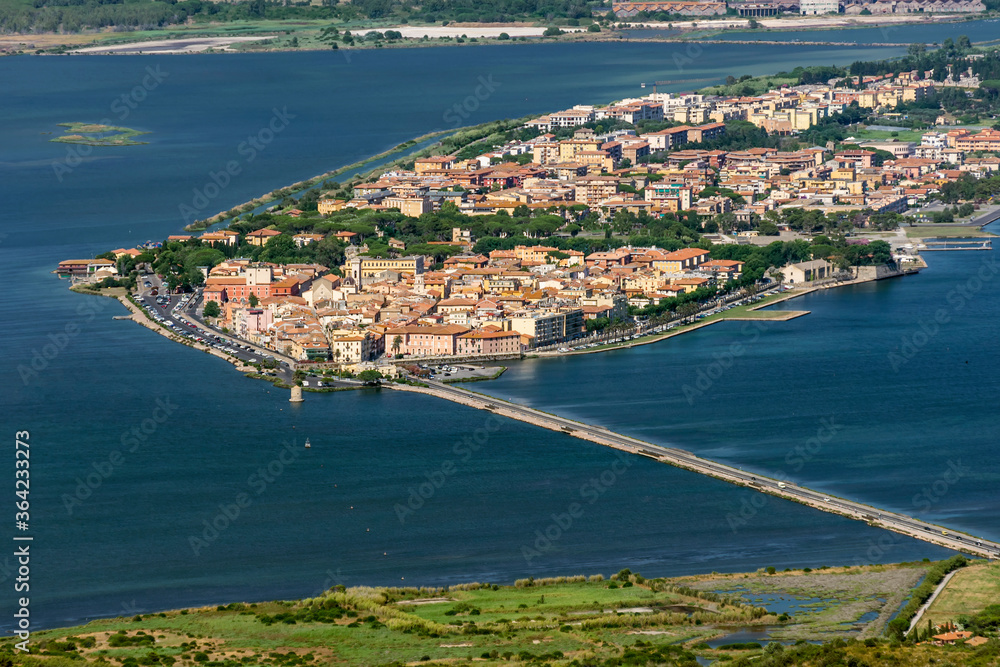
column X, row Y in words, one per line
column 25, row 16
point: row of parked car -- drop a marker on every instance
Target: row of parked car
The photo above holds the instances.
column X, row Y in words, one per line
column 189, row 329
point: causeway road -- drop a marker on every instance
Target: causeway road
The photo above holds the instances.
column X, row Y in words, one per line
column 899, row 523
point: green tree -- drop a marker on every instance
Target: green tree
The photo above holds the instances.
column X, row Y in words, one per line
column 211, row 309
column 397, row 343
column 254, row 301
column 279, row 250
column 370, row 377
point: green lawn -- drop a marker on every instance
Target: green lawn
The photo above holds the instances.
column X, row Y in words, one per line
column 885, row 135
column 547, row 622
column 735, row 313
column 370, row 627
column 945, row 231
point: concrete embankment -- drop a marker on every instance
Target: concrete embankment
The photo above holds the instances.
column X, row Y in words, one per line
column 865, row 274
column 771, row 316
column 680, row 458
column 139, row 316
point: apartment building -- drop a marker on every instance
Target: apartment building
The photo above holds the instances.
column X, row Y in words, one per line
column 549, row 327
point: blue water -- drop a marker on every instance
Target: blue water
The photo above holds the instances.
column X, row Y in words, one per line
column 331, row 516
column 868, row 397
column 742, row 636
column 780, row 604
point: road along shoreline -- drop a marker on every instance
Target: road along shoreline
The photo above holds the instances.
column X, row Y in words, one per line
column 899, row 523
column 784, row 316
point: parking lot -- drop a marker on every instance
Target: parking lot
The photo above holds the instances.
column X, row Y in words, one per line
column 453, row 372
column 178, row 312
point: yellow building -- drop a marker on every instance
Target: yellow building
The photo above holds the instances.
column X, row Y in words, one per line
column 260, row 237
column 545, row 153
column 592, row 190
column 569, row 149
column 366, row 267
column 409, row 206
column 328, row 206
column 533, row 254
column 435, row 162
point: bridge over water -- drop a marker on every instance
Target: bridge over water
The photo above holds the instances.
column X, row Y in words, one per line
column 896, row 522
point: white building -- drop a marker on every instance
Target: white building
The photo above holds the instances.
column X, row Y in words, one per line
column 819, row 7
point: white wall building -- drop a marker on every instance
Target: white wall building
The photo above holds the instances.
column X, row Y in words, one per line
column 819, row 7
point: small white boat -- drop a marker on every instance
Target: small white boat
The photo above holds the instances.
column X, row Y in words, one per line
column 307, row 443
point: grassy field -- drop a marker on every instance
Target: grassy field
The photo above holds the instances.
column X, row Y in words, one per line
column 970, row 591
column 862, row 134
column 381, row 626
column 562, row 622
column 736, row 313
column 944, row 231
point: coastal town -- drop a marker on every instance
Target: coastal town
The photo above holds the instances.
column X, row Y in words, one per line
column 613, row 332
column 583, row 221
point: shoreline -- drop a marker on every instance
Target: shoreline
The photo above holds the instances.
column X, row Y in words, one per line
column 430, row 593
column 295, row 188
column 784, row 316
column 206, row 40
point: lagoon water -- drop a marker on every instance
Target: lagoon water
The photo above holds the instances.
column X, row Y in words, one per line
column 135, row 538
column 902, row 373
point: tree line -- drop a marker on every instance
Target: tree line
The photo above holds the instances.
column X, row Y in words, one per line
column 76, row 15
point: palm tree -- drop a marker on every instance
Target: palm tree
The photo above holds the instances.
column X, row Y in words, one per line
column 397, row 343
column 686, row 310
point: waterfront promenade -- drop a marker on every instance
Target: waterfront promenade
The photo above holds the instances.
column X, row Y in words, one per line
column 899, row 523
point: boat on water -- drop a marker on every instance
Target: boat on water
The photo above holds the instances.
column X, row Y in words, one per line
column 307, row 443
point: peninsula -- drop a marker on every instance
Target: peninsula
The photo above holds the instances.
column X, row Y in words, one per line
column 584, row 230
column 589, row 226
